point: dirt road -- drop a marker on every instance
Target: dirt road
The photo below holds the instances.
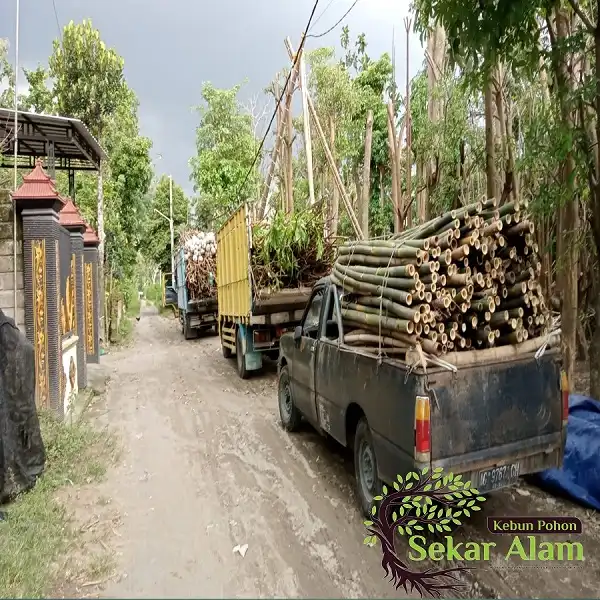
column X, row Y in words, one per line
column 207, row 467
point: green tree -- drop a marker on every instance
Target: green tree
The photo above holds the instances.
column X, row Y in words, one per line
column 157, row 242
column 88, row 77
column 40, row 98
column 7, row 77
column 223, row 172
column 88, row 85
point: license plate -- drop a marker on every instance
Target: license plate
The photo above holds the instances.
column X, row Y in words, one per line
column 498, row 477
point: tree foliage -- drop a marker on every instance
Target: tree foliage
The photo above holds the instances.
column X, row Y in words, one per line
column 223, row 172
column 7, row 77
column 88, row 77
column 157, row 242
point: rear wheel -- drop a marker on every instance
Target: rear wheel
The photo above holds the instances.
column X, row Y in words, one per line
column 188, row 332
column 290, row 416
column 365, row 467
column 226, row 351
column 241, row 359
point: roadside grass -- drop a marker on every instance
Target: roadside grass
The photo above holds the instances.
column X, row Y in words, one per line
column 153, row 294
column 37, row 534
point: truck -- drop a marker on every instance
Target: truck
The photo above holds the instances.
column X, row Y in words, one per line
column 491, row 422
column 251, row 320
column 196, row 315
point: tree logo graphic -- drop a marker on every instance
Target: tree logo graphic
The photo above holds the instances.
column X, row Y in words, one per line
column 420, row 503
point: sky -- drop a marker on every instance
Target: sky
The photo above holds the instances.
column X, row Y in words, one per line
column 171, row 47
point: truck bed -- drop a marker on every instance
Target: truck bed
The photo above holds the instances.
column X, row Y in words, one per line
column 203, row 305
column 481, row 416
column 489, row 406
column 269, row 302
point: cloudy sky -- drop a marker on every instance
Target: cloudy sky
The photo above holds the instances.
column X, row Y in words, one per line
column 171, row 46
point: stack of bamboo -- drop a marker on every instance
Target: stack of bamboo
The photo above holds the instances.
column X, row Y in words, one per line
column 465, row 280
column 200, row 251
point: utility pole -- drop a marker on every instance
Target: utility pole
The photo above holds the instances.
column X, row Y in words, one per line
column 171, row 227
column 15, row 142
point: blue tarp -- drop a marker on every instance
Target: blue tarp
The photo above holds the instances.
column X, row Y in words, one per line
column 579, row 477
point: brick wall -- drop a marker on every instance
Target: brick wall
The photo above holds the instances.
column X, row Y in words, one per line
column 7, row 301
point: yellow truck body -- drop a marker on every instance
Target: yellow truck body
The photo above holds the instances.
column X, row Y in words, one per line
column 251, row 321
column 234, row 288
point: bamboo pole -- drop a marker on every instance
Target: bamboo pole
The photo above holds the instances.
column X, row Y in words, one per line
column 306, row 126
column 366, row 186
column 338, row 181
column 288, row 102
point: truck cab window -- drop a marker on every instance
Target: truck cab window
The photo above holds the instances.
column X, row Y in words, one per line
column 310, row 327
column 332, row 331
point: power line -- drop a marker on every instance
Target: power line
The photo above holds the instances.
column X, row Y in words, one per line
column 322, row 13
column 332, row 28
column 57, row 21
column 262, row 143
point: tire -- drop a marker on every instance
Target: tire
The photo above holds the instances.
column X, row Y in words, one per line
column 289, row 415
column 226, row 351
column 240, row 359
column 368, row 483
column 188, row 332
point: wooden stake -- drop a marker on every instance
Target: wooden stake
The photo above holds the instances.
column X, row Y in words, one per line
column 407, row 23
column 366, row 186
column 334, row 205
column 306, row 123
column 289, row 173
column 394, row 167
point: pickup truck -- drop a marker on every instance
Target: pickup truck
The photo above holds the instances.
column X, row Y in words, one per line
column 491, row 422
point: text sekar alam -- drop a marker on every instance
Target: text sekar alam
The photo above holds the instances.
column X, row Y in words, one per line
column 524, row 548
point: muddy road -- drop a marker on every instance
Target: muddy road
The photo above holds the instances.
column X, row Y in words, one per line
column 206, row 467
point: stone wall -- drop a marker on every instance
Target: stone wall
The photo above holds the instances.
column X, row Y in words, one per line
column 7, row 300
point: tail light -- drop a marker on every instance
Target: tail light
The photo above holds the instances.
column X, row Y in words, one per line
column 564, row 389
column 262, row 337
column 422, row 429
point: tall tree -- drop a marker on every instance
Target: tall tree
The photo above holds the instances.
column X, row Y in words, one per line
column 88, row 85
column 223, row 172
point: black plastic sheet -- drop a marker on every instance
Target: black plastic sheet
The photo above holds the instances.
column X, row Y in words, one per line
column 22, row 453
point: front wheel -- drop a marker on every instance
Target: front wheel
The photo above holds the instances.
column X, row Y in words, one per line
column 288, row 413
column 365, row 467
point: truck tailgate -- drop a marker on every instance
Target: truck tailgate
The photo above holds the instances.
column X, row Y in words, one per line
column 481, row 409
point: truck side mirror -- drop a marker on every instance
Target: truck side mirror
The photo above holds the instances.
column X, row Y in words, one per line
column 298, row 334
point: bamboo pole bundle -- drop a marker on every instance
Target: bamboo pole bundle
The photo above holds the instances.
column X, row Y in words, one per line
column 466, row 279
